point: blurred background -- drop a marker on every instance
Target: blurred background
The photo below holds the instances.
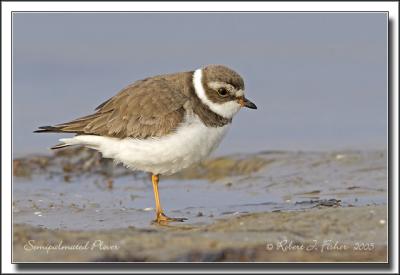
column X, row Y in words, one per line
column 319, row 79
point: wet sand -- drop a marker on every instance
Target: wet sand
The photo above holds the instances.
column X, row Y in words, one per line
column 270, row 206
column 344, row 234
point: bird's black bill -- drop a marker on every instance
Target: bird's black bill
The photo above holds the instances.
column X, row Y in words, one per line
column 249, row 104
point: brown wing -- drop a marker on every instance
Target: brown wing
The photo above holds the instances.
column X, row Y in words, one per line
column 148, row 108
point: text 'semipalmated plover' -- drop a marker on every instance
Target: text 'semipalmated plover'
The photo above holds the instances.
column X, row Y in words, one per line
column 162, row 124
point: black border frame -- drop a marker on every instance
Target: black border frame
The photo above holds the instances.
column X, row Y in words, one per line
column 206, row 266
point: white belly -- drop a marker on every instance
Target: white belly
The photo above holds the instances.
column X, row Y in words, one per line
column 191, row 143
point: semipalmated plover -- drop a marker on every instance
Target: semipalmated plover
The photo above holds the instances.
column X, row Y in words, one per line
column 162, row 124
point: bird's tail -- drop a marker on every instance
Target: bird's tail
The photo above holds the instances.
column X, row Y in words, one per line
column 59, row 146
column 49, row 129
column 75, row 127
column 66, row 142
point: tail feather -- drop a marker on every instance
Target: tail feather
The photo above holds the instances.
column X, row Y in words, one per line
column 76, row 126
column 59, row 146
column 66, row 142
column 48, row 129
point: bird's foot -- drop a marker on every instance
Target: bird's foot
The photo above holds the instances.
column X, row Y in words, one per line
column 163, row 219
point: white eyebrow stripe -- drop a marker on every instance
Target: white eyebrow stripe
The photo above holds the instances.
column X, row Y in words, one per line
column 226, row 110
column 216, row 84
column 239, row 93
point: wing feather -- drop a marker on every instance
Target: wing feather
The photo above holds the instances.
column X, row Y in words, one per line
column 148, row 108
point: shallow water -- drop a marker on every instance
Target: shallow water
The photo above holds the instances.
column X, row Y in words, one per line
column 285, row 181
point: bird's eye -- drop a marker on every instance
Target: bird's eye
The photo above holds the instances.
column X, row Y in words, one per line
column 222, row 92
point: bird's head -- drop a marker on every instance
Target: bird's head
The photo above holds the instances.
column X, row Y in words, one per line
column 221, row 89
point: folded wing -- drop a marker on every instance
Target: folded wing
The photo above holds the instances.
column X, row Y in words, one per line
column 148, row 108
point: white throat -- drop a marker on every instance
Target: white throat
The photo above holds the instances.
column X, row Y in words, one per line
column 226, row 110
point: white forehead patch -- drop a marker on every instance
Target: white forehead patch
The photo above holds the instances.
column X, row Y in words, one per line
column 226, row 109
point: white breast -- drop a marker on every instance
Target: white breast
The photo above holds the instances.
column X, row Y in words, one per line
column 192, row 142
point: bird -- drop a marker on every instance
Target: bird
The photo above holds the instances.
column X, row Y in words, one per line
column 161, row 124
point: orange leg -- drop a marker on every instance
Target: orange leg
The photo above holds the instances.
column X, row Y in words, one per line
column 161, row 218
